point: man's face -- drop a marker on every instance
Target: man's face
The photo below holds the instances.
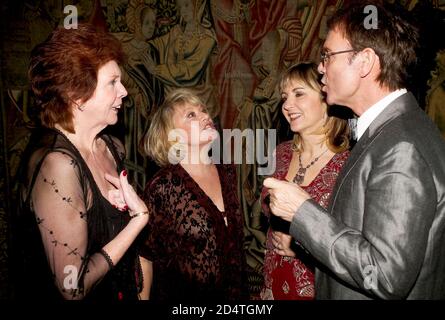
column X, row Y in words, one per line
column 341, row 73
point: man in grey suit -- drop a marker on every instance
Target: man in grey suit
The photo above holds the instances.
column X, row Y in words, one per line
column 383, row 235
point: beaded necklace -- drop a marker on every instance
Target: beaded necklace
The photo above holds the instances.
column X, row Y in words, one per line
column 299, row 177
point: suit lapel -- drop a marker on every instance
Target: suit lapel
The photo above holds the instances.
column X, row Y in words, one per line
column 395, row 109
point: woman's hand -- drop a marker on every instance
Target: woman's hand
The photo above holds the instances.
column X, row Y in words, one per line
column 282, row 242
column 124, row 196
column 116, row 198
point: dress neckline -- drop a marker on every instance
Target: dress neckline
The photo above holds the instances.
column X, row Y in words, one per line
column 87, row 169
column 318, row 174
column 200, row 192
column 203, row 192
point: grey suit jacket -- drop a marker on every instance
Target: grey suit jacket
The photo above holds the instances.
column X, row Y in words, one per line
column 383, row 235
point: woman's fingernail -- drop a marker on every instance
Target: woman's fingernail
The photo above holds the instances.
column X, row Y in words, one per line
column 124, row 173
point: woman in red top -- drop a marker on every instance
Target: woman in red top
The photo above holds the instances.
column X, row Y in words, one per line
column 313, row 160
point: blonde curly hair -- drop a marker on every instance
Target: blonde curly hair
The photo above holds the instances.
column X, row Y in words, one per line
column 155, row 142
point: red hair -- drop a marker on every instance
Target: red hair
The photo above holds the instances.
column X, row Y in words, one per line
column 64, row 69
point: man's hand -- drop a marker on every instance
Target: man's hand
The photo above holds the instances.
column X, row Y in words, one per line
column 285, row 197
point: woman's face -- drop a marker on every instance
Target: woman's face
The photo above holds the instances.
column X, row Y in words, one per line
column 303, row 107
column 194, row 123
column 102, row 108
column 148, row 22
column 185, row 8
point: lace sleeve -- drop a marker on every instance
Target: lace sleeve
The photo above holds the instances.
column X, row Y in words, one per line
column 60, row 206
column 155, row 196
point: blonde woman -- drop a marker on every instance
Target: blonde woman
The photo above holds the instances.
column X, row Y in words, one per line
column 312, row 160
column 195, row 234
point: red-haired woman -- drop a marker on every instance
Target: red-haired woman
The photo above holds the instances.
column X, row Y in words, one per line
column 78, row 216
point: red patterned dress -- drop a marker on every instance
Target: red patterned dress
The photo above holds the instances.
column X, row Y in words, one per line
column 292, row 278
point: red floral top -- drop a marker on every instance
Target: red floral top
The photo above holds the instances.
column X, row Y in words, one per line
column 292, row 278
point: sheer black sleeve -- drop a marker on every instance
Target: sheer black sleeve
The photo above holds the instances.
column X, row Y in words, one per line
column 61, row 207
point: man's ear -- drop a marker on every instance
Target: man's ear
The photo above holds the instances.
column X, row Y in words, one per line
column 369, row 60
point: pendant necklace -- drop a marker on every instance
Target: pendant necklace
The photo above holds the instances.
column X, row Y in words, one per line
column 299, row 177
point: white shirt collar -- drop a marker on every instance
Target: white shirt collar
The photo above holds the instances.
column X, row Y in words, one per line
column 365, row 120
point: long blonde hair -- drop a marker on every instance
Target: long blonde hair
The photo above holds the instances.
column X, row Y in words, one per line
column 335, row 129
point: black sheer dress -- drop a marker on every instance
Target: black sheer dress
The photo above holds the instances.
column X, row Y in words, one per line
column 196, row 256
column 56, row 249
